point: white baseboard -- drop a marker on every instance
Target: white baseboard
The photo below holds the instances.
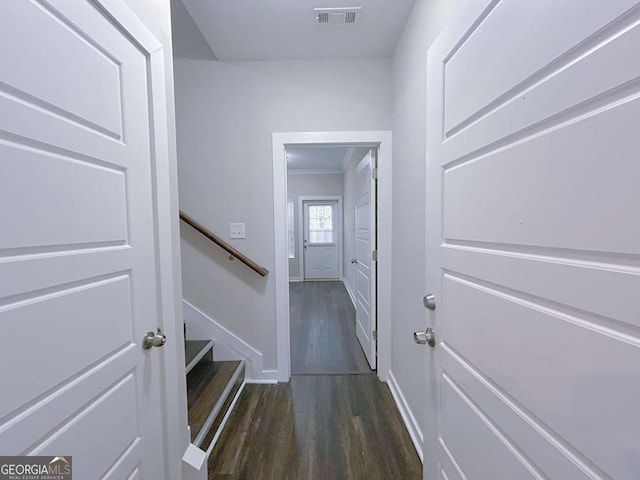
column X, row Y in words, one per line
column 415, row 431
column 351, row 295
column 228, row 346
column 296, row 279
column 265, row 381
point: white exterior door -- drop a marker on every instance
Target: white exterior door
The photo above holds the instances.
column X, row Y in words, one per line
column 533, row 242
column 321, row 240
column 79, row 285
column 366, row 266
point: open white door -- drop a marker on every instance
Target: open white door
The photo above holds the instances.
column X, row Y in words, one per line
column 533, row 242
column 322, row 236
column 366, row 265
column 78, row 250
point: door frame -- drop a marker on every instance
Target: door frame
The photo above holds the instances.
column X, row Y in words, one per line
column 380, row 139
column 166, row 231
column 320, row 198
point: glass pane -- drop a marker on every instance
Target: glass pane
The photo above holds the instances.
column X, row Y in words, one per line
column 320, row 224
column 321, row 237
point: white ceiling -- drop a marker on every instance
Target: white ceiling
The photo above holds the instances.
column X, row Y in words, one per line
column 287, row 29
column 315, row 159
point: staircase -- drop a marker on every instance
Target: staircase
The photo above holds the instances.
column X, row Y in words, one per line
column 212, row 387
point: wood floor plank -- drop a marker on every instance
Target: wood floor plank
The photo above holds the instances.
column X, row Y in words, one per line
column 322, row 329
column 316, row 427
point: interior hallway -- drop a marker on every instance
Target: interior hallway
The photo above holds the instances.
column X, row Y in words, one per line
column 333, row 420
column 322, row 325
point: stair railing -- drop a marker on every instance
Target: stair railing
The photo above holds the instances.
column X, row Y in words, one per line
column 233, row 253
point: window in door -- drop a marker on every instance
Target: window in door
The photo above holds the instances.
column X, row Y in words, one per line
column 321, row 224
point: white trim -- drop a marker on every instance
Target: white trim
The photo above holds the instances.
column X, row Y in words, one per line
column 301, row 229
column 123, row 15
column 229, row 346
column 264, row 381
column 296, row 279
column 349, row 291
column 415, row 432
column 380, row 139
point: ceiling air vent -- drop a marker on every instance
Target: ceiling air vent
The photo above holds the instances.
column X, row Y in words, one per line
column 337, row 15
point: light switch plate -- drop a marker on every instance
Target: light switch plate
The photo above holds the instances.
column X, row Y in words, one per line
column 236, row 230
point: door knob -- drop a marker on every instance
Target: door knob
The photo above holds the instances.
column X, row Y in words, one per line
column 429, row 301
column 354, row 260
column 153, row 340
column 427, row 337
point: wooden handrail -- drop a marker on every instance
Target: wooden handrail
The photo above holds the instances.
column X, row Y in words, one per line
column 233, row 253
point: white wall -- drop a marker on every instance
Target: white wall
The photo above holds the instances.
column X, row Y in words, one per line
column 309, row 185
column 226, row 113
column 409, row 154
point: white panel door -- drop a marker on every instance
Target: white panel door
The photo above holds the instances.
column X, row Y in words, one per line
column 533, row 242
column 322, row 236
column 366, row 266
column 77, row 246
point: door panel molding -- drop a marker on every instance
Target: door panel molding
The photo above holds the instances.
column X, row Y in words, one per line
column 94, row 137
column 366, row 267
column 516, row 255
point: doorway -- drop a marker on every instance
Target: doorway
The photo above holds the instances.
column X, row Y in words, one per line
column 328, row 297
column 283, row 144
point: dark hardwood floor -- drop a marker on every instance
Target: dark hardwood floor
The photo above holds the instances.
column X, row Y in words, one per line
column 323, row 337
column 330, row 421
column 320, row 427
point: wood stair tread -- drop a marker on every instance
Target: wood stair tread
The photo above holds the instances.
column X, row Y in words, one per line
column 194, row 350
column 208, row 440
column 206, row 384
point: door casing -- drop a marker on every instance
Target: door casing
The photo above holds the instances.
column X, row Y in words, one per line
column 376, row 138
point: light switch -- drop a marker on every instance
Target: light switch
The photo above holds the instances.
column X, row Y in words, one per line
column 236, row 230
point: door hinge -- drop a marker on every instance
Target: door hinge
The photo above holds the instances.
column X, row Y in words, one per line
column 375, row 335
column 374, row 255
column 374, row 173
